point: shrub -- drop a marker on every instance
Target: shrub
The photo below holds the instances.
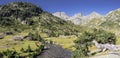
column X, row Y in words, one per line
column 1, row 54
column 11, row 54
column 36, row 36
column 22, row 50
column 29, row 49
column 40, row 49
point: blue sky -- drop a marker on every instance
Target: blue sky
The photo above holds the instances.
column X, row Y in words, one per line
column 72, row 7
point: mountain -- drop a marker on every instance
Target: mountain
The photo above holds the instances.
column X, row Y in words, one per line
column 112, row 20
column 94, row 19
column 17, row 11
column 115, row 14
column 93, row 15
column 76, row 19
column 61, row 15
column 79, row 18
column 21, row 16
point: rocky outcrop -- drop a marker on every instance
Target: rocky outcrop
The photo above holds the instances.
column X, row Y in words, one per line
column 17, row 38
column 61, row 15
column 77, row 18
column 28, row 38
column 2, row 35
column 107, row 56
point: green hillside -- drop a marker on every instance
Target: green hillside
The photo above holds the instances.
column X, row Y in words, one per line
column 20, row 16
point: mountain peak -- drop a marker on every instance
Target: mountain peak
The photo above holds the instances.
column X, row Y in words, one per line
column 62, row 15
column 78, row 14
column 95, row 14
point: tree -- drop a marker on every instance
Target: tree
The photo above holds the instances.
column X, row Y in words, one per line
column 40, row 48
column 22, row 50
column 29, row 49
column 1, row 54
column 84, row 40
column 36, row 36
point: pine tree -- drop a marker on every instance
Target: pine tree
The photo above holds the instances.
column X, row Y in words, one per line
column 29, row 49
column 22, row 50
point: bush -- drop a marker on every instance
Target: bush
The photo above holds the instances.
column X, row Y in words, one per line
column 29, row 49
column 22, row 50
column 40, row 49
column 78, row 54
column 33, row 55
column 1, row 54
column 36, row 36
column 11, row 54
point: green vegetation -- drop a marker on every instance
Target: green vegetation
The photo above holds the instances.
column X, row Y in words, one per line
column 16, row 17
column 84, row 41
column 29, row 21
column 15, row 54
column 36, row 37
column 36, row 26
column 14, row 13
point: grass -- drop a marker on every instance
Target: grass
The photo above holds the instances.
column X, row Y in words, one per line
column 17, row 45
column 66, row 42
column 118, row 40
column 92, row 48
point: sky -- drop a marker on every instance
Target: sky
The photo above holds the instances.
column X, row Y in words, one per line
column 71, row 7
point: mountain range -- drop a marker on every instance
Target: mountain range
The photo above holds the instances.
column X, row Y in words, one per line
column 78, row 18
column 22, row 15
column 108, row 22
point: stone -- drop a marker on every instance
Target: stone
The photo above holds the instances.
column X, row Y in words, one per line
column 28, row 38
column 8, row 33
column 18, row 38
column 2, row 36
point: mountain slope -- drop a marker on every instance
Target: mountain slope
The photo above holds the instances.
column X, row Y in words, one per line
column 112, row 20
column 22, row 16
column 19, row 12
column 55, row 26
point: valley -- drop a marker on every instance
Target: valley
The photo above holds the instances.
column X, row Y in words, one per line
column 28, row 31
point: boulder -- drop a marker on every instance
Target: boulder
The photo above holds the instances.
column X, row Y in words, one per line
column 2, row 36
column 8, row 33
column 28, row 38
column 18, row 38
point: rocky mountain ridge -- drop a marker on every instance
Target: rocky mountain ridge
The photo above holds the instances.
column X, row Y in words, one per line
column 78, row 18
